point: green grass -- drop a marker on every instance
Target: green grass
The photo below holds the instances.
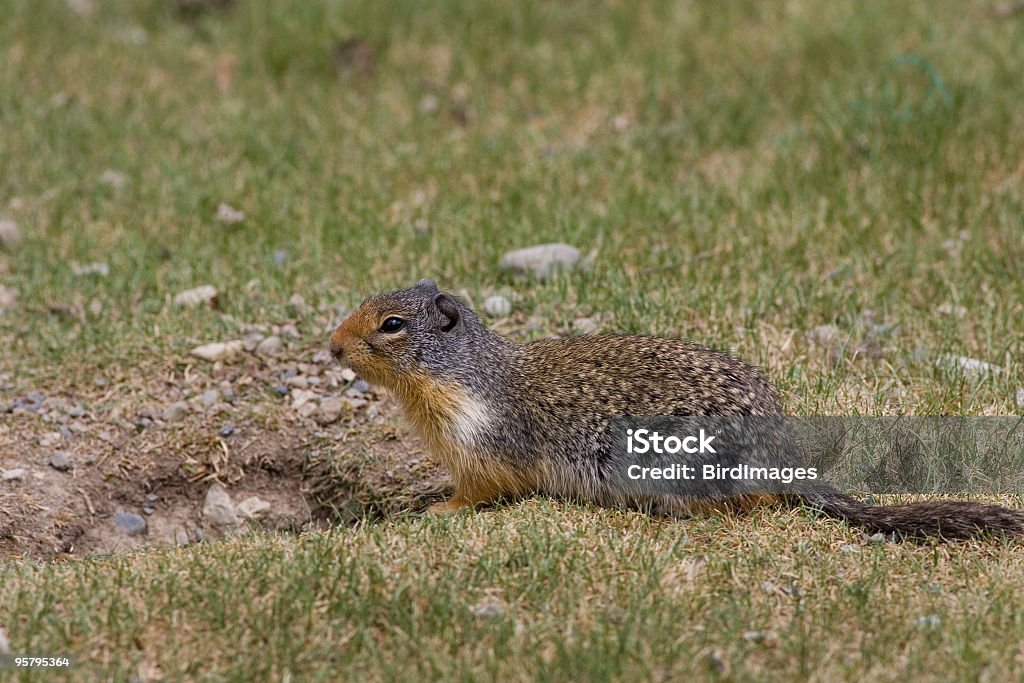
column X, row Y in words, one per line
column 538, row 591
column 739, row 172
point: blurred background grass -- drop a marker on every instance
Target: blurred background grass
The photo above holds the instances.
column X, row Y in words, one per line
column 739, row 172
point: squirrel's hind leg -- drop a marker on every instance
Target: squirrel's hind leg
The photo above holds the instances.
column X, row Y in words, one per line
column 473, row 489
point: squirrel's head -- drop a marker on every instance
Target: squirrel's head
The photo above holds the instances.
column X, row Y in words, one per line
column 396, row 338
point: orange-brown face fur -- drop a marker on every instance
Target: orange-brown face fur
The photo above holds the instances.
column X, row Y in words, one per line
column 372, row 354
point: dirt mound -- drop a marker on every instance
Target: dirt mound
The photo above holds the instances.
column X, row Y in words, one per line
column 284, row 441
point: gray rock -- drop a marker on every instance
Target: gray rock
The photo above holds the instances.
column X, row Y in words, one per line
column 180, row 536
column 175, row 412
column 330, row 410
column 497, row 306
column 849, row 548
column 270, row 346
column 542, row 260
column 253, row 508
column 1020, row 397
column 209, row 397
column 10, row 234
column 362, row 386
column 218, row 508
column 61, row 461
column 252, row 340
column 16, row 474
column 76, row 411
column 130, row 523
column 226, row 431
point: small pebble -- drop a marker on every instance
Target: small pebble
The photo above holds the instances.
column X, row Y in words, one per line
column 8, row 297
column 362, row 386
column 10, row 234
column 218, row 350
column 497, row 306
column 542, row 260
column 85, row 269
column 489, row 610
column 253, row 508
column 16, row 474
column 969, row 366
column 226, row 431
column 1020, row 398
column 130, row 523
column 175, row 412
column 281, row 390
column 849, row 548
column 204, row 295
column 209, row 397
column 60, row 461
column 229, row 215
column 76, row 411
column 270, row 346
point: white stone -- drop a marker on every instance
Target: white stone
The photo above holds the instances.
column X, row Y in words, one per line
column 14, row 475
column 228, row 214
column 497, row 306
column 270, row 346
column 541, row 260
column 253, row 507
column 218, row 350
column 197, row 296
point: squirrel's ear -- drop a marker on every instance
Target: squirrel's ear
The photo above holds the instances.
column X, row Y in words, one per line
column 449, row 311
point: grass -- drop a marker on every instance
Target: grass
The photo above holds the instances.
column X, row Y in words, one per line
column 739, row 173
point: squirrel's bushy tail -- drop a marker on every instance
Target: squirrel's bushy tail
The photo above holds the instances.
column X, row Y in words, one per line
column 947, row 518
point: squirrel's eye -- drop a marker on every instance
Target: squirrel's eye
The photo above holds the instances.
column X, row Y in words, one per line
column 392, row 325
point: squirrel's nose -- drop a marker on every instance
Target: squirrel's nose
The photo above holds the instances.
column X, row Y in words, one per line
column 337, row 350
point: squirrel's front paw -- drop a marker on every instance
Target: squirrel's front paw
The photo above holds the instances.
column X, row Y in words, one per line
column 448, row 507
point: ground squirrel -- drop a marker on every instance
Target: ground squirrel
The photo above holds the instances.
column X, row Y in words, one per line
column 509, row 420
